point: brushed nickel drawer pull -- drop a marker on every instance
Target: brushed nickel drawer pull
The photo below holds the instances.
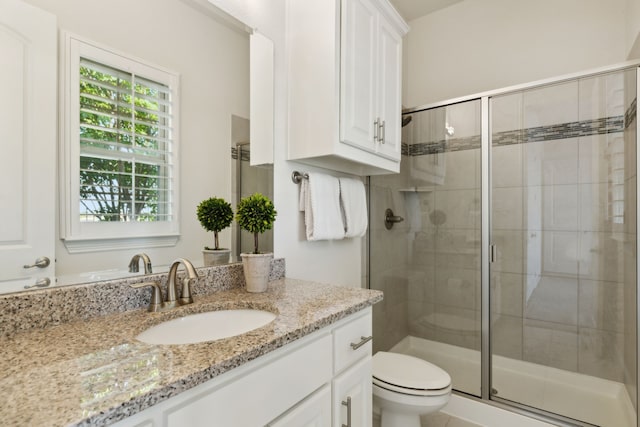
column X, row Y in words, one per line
column 347, row 403
column 363, row 341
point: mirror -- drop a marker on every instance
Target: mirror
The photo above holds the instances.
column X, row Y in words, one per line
column 210, row 50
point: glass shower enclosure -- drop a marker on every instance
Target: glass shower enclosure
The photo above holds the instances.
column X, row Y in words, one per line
column 515, row 269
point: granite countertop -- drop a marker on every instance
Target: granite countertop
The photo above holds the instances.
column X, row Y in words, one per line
column 94, row 372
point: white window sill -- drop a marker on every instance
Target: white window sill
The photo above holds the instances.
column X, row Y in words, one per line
column 75, row 246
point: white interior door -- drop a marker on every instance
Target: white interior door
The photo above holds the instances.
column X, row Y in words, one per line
column 28, row 142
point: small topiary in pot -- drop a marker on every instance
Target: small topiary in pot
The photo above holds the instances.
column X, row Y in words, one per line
column 215, row 214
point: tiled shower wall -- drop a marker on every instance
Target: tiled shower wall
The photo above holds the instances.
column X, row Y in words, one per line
column 388, row 267
column 428, row 265
column 563, row 221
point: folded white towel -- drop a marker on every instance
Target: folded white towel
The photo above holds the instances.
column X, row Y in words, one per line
column 320, row 201
column 354, row 207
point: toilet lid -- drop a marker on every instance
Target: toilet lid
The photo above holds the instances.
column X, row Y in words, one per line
column 408, row 372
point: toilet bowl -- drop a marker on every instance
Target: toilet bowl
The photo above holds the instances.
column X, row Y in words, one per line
column 405, row 387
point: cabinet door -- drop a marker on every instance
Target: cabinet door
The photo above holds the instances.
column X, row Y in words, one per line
column 314, row 411
column 358, row 70
column 389, row 90
column 28, row 139
column 354, row 383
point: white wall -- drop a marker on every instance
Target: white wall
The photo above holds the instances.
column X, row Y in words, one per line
column 336, row 262
column 332, row 261
column 213, row 63
column 474, row 46
column 633, row 29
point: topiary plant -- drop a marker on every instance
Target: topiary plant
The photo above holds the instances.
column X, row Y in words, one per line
column 256, row 214
column 215, row 214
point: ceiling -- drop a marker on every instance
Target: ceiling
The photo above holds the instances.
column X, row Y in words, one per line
column 412, row 9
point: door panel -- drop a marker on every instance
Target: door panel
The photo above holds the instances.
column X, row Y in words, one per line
column 358, row 73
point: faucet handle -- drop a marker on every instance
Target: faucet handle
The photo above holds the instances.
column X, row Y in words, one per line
column 185, row 296
column 156, row 296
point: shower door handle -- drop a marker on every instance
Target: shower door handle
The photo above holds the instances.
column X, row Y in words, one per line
column 493, row 253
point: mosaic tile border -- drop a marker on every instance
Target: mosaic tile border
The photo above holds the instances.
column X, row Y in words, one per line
column 584, row 128
column 602, row 126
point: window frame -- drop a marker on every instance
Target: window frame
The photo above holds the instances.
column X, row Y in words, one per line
column 81, row 236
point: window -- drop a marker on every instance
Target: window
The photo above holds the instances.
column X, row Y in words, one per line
column 120, row 151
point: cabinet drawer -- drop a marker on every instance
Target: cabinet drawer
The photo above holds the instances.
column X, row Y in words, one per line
column 352, row 341
column 259, row 396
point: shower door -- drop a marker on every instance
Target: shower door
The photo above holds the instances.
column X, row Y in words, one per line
column 563, row 233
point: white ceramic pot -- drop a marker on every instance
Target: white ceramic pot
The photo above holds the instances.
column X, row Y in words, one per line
column 215, row 257
column 256, row 269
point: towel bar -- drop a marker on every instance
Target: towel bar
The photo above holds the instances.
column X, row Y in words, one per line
column 297, row 177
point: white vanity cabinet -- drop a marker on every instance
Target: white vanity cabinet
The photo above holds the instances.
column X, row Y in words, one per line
column 352, row 391
column 314, row 411
column 344, row 74
column 300, row 384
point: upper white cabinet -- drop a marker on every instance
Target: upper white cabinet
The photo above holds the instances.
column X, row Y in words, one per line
column 370, row 91
column 345, row 69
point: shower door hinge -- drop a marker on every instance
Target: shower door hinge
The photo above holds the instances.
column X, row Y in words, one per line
column 493, row 253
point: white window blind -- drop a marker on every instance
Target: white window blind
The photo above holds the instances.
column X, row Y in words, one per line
column 125, row 146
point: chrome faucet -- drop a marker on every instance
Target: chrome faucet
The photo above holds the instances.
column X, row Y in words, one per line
column 172, row 292
column 134, row 266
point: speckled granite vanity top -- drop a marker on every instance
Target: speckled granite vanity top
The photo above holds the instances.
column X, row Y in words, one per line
column 94, row 372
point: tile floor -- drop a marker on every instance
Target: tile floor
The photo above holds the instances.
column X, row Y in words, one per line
column 437, row 419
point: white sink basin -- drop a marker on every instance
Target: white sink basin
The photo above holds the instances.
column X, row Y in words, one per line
column 208, row 326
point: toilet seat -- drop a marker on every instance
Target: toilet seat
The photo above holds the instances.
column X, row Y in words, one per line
column 409, row 375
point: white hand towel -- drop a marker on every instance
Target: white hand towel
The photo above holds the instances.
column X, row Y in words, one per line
column 354, row 207
column 320, row 201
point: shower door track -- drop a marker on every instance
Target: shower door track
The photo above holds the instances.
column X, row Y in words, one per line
column 527, row 411
column 531, row 85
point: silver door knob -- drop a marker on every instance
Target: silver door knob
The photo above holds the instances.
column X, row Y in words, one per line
column 40, row 283
column 42, row 262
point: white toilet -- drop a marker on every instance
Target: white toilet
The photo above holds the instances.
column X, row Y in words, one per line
column 405, row 387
